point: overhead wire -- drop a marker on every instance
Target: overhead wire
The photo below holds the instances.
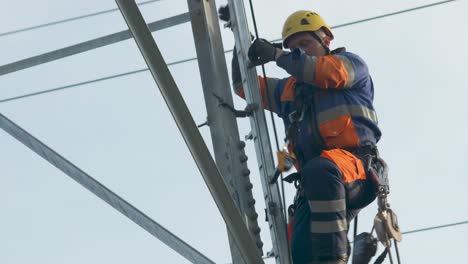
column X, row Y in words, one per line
column 194, row 58
column 68, row 20
column 226, row 51
column 394, row 13
column 420, row 230
column 433, row 227
column 69, row 86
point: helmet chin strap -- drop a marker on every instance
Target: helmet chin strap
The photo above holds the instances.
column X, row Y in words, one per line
column 325, row 47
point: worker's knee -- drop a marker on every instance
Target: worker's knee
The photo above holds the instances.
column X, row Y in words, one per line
column 319, row 169
column 321, row 178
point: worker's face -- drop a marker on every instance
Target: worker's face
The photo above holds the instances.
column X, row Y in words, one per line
column 308, row 44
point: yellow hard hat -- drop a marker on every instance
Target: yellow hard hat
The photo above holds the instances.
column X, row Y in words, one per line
column 303, row 21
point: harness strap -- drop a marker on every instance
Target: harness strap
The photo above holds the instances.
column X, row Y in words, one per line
column 316, row 37
column 304, row 105
column 382, row 256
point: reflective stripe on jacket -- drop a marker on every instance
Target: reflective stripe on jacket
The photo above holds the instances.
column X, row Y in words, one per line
column 342, row 101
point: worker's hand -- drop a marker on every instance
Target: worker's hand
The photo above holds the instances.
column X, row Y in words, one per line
column 223, row 13
column 260, row 52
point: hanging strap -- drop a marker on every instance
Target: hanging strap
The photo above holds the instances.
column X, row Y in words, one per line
column 316, row 37
column 382, row 256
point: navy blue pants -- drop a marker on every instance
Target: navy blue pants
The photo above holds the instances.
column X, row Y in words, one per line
column 324, row 206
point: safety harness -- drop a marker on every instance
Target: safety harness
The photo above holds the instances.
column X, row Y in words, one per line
column 303, row 108
column 325, row 47
column 385, row 222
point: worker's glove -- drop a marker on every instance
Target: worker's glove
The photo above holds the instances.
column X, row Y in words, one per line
column 260, row 52
column 223, row 13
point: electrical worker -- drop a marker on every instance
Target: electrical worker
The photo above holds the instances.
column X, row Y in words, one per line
column 331, row 126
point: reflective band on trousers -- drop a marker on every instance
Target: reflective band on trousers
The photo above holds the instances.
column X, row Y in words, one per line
column 327, row 206
column 328, row 226
column 341, row 110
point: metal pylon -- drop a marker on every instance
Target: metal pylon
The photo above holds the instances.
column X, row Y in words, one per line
column 189, row 131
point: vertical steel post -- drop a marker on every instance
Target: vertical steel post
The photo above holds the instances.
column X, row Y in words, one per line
column 189, row 130
column 228, row 149
column 261, row 138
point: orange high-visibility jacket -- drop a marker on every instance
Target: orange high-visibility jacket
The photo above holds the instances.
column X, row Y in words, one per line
column 342, row 106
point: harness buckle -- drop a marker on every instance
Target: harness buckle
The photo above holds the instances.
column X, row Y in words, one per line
column 294, row 117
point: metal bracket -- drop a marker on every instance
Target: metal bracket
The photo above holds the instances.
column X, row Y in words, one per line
column 248, row 111
column 206, row 123
column 272, row 208
column 249, row 136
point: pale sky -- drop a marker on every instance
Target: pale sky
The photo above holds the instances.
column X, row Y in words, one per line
column 120, row 131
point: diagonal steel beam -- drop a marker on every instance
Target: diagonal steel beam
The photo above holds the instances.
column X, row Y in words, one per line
column 88, row 45
column 189, row 130
column 103, row 192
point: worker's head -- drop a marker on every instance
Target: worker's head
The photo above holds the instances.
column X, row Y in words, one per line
column 306, row 30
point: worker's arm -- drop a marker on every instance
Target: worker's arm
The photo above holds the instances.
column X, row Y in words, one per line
column 338, row 71
column 271, row 104
column 271, row 83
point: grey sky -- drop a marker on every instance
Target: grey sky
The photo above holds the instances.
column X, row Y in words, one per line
column 121, row 133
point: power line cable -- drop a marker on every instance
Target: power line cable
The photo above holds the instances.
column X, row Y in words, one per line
column 226, row 51
column 72, row 85
column 88, row 82
column 434, row 227
column 385, row 15
column 68, row 20
column 419, row 230
column 394, row 13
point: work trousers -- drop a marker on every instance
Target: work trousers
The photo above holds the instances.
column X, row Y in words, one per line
column 333, row 188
